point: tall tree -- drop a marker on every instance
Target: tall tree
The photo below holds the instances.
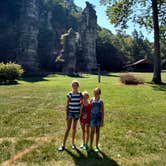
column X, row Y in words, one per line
column 157, row 59
column 149, row 13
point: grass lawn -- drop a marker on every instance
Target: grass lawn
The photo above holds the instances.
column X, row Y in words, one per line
column 32, row 122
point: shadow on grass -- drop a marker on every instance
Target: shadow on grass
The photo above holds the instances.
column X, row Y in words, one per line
column 161, row 87
column 110, row 75
column 92, row 158
column 33, row 79
column 9, row 83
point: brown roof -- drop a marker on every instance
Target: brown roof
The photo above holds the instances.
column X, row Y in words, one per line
column 141, row 61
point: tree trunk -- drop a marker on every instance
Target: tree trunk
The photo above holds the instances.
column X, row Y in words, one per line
column 157, row 59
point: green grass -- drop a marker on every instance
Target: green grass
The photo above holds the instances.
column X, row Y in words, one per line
column 33, row 113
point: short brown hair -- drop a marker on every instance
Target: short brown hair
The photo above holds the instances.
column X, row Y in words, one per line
column 98, row 89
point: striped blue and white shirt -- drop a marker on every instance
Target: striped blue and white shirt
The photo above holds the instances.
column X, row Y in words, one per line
column 74, row 102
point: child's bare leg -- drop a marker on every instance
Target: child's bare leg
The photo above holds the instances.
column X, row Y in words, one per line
column 92, row 136
column 97, row 135
column 87, row 134
column 74, row 129
column 69, row 121
column 83, row 133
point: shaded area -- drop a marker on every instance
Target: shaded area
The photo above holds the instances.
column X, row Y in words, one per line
column 9, row 83
column 92, row 158
column 33, row 79
column 110, row 75
column 75, row 75
column 161, row 87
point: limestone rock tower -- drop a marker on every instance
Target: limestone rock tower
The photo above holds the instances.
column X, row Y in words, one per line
column 28, row 42
column 88, row 34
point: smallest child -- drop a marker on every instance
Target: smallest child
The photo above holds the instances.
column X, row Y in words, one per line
column 85, row 112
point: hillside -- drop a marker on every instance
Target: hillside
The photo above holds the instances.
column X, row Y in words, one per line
column 30, row 34
column 37, row 26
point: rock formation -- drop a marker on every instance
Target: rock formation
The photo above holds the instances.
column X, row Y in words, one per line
column 88, row 35
column 28, row 32
column 69, row 51
column 30, row 35
column 80, row 52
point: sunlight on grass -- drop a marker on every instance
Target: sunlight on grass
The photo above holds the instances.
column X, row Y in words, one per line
column 134, row 132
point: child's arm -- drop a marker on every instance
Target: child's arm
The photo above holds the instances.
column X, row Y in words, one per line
column 81, row 108
column 67, row 106
column 102, row 111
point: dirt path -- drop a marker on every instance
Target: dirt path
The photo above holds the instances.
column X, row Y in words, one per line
column 39, row 142
column 19, row 155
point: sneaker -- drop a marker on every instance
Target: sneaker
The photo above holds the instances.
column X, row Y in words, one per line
column 90, row 149
column 61, row 148
column 82, row 146
column 97, row 149
column 73, row 146
column 86, row 147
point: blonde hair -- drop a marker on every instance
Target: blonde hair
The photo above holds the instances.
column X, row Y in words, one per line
column 85, row 93
column 98, row 89
column 75, row 82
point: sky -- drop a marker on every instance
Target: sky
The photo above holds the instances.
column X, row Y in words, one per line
column 104, row 22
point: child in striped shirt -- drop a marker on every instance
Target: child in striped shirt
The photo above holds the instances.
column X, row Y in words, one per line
column 74, row 99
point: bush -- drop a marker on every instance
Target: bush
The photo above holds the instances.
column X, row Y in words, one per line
column 9, row 72
column 131, row 79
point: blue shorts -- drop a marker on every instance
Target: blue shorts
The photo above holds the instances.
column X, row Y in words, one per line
column 73, row 115
column 95, row 122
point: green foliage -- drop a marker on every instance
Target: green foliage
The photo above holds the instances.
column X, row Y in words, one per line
column 9, row 72
column 108, row 55
column 63, row 17
column 119, row 11
column 151, row 14
column 139, row 11
column 113, row 51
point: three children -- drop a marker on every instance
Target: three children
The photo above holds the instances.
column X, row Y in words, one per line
column 90, row 112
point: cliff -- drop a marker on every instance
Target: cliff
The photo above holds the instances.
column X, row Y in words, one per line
column 30, row 31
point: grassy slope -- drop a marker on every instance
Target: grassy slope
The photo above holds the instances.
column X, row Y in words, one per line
column 134, row 133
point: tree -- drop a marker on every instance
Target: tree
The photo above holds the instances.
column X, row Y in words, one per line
column 108, row 55
column 116, row 51
column 149, row 13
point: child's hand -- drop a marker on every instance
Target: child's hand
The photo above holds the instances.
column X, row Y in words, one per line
column 102, row 123
column 66, row 117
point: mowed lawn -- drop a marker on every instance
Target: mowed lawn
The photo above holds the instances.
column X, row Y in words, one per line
column 32, row 121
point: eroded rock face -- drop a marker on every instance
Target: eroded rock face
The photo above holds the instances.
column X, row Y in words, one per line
column 28, row 33
column 88, row 35
column 80, row 54
column 69, row 51
column 8, row 30
column 31, row 36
